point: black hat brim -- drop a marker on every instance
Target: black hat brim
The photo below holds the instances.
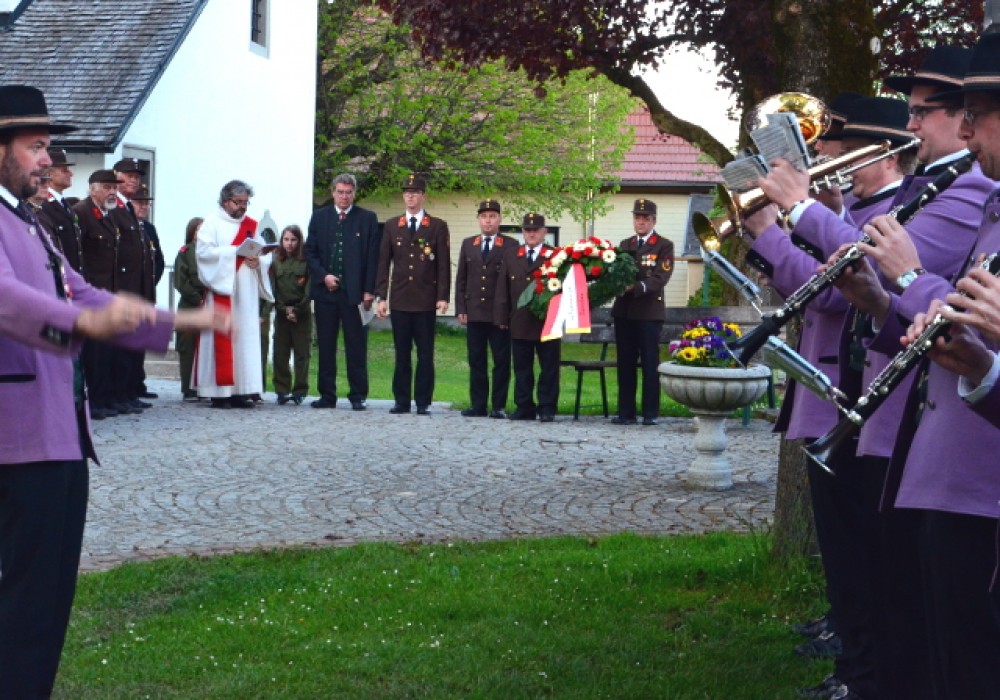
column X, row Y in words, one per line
column 957, row 96
column 906, row 83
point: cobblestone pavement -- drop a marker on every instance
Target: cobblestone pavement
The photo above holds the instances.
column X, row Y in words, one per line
column 183, row 478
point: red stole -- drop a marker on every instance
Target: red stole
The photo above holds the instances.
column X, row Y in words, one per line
column 224, row 367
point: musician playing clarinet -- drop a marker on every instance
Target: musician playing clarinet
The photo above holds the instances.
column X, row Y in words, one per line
column 944, row 471
column 837, row 510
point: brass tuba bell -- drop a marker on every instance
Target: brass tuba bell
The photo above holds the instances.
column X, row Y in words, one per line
column 812, row 113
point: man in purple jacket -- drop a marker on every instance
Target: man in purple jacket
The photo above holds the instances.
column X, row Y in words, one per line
column 844, row 522
column 46, row 309
column 944, row 466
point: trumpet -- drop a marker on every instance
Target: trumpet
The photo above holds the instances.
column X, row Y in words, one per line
column 770, row 324
column 740, row 205
column 887, row 380
column 842, row 178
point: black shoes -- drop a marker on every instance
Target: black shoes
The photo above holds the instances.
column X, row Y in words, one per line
column 812, row 628
column 149, row 395
column 398, row 409
column 241, row 402
column 423, row 410
column 824, row 689
column 323, row 403
column 473, row 413
column 546, row 418
column 522, row 415
column 498, row 413
column 649, row 421
column 622, row 420
column 220, row 403
column 283, row 399
column 358, row 406
column 297, row 399
column 826, row 645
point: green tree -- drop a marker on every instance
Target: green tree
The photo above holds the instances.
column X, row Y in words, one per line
column 384, row 111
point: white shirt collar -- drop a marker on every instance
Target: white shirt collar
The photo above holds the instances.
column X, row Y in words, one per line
column 8, row 197
column 420, row 216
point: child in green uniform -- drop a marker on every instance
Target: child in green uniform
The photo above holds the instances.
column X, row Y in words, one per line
column 191, row 292
column 292, row 316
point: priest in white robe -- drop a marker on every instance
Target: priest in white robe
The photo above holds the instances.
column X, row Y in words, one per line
column 227, row 368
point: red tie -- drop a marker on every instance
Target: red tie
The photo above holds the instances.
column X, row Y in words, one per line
column 343, row 215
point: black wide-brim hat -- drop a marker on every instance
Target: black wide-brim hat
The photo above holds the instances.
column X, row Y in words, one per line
column 880, row 118
column 944, row 67
column 23, row 107
column 838, row 115
column 983, row 74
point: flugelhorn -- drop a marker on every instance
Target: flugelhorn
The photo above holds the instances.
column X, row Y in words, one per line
column 743, row 204
column 811, row 112
column 887, row 380
column 751, row 342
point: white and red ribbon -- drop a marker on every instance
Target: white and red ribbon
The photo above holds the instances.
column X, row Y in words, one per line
column 569, row 311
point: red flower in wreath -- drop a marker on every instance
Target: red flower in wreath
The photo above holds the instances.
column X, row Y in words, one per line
column 596, row 271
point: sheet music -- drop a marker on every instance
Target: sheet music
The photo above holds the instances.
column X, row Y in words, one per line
column 781, row 138
column 742, row 174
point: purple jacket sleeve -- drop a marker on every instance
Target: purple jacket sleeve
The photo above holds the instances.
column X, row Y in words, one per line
column 794, row 267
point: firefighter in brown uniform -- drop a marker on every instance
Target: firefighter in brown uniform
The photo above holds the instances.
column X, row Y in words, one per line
column 475, row 289
column 416, row 250
column 525, row 328
column 100, row 239
column 59, row 211
column 639, row 314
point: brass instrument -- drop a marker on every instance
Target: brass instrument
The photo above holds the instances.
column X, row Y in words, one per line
column 842, row 178
column 743, row 204
column 751, row 342
column 812, row 113
column 887, row 380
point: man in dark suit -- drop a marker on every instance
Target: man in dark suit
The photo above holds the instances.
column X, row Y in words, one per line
column 475, row 288
column 59, row 210
column 341, row 252
column 417, row 250
column 639, row 314
column 525, row 328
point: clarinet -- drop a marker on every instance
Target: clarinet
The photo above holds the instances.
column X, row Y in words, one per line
column 887, row 380
column 772, row 323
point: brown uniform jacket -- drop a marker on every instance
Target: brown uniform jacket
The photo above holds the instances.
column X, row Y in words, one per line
column 134, row 269
column 420, row 265
column 514, row 276
column 66, row 231
column 100, row 244
column 644, row 302
column 476, row 279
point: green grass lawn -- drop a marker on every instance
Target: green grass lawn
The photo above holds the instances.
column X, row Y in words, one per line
column 451, row 369
column 624, row 617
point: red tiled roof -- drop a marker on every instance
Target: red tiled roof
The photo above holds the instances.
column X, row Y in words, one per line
column 663, row 158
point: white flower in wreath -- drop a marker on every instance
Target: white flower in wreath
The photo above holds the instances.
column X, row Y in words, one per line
column 558, row 259
column 554, row 284
column 608, row 256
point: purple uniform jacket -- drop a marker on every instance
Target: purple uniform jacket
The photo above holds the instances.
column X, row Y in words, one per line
column 803, row 414
column 952, row 462
column 943, row 233
column 37, row 346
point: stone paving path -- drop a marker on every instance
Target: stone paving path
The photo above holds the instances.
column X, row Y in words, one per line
column 183, row 478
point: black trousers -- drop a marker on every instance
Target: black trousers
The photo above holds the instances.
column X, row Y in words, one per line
column 958, row 560
column 43, row 506
column 330, row 317
column 635, row 340
column 523, row 353
column 479, row 336
column 413, row 329
column 99, row 370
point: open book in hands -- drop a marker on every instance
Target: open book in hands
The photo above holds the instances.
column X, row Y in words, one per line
column 252, row 247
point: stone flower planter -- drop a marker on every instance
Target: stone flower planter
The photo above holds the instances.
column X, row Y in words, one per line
column 712, row 393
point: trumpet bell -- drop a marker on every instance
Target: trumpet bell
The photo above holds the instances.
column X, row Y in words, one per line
column 812, row 113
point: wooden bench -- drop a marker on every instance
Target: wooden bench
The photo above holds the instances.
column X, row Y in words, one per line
column 602, row 330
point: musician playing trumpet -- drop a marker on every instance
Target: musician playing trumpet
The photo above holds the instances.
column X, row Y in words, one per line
column 943, row 476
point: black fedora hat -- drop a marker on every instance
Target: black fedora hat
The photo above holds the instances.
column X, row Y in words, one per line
column 983, row 74
column 59, row 157
column 882, row 118
column 23, row 107
column 944, row 67
column 838, row 115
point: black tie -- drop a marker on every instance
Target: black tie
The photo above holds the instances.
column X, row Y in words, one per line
column 413, row 224
column 486, row 247
column 642, row 242
column 531, row 255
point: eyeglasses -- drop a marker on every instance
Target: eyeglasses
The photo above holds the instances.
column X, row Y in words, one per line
column 969, row 116
column 240, row 202
column 918, row 112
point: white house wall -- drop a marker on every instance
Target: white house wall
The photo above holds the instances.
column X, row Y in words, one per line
column 222, row 111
